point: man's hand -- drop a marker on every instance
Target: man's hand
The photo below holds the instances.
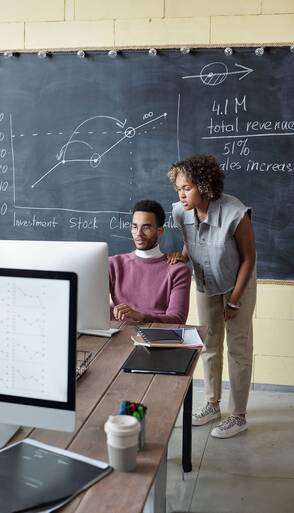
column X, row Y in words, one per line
column 123, row 312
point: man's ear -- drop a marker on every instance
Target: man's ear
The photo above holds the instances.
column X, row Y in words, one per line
column 160, row 230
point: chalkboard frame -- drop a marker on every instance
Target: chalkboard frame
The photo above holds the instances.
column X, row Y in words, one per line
column 143, row 51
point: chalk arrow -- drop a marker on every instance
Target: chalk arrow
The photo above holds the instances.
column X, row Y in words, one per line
column 59, row 155
column 243, row 72
column 121, row 124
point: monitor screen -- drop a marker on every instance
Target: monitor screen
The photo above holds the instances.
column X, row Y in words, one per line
column 89, row 260
column 38, row 349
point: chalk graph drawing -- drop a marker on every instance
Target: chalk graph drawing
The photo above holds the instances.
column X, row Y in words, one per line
column 78, row 149
column 215, row 73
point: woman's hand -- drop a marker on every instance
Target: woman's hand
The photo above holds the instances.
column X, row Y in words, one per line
column 229, row 313
column 175, row 257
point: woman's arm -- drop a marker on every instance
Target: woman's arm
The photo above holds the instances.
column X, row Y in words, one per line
column 244, row 236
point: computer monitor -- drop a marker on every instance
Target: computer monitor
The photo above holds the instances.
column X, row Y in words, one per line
column 89, row 260
column 38, row 311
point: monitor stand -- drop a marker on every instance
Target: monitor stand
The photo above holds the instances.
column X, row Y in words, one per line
column 6, row 432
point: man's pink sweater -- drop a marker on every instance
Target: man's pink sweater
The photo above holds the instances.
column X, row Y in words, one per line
column 151, row 286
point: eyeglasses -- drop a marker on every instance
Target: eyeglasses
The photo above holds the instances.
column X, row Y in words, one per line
column 145, row 228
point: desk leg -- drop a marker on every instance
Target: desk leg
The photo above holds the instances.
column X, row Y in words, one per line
column 156, row 501
column 187, row 430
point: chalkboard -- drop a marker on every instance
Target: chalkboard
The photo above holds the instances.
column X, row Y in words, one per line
column 83, row 139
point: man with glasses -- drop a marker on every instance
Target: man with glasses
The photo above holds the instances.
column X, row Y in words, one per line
column 144, row 287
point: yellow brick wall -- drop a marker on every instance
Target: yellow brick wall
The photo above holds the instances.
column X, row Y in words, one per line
column 273, row 327
column 99, row 23
column 49, row 24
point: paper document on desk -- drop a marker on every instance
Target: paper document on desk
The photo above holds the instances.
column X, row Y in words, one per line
column 39, row 477
column 183, row 337
column 100, row 333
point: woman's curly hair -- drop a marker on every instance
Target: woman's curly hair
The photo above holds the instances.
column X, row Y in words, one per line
column 204, row 171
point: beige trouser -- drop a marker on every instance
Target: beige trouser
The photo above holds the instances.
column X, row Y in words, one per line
column 239, row 343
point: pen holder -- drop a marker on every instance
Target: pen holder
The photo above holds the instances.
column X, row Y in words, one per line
column 142, row 434
column 137, row 410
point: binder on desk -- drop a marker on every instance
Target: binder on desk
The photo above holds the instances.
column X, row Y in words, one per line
column 160, row 360
column 160, row 334
column 187, row 338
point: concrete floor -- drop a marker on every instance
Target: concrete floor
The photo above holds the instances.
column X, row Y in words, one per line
column 250, row 473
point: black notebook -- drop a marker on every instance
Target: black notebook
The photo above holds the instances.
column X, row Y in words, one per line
column 160, row 360
column 160, row 334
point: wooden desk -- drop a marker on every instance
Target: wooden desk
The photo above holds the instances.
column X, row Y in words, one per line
column 99, row 392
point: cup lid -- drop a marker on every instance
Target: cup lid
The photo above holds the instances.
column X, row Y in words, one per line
column 123, row 424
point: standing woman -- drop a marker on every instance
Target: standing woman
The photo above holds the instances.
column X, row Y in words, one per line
column 219, row 241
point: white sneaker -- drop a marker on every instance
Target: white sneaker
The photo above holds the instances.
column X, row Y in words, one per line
column 232, row 426
column 206, row 414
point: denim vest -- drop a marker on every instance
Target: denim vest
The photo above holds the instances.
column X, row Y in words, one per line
column 211, row 244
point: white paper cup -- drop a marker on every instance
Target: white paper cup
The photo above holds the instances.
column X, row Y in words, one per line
column 122, row 441
column 123, row 460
